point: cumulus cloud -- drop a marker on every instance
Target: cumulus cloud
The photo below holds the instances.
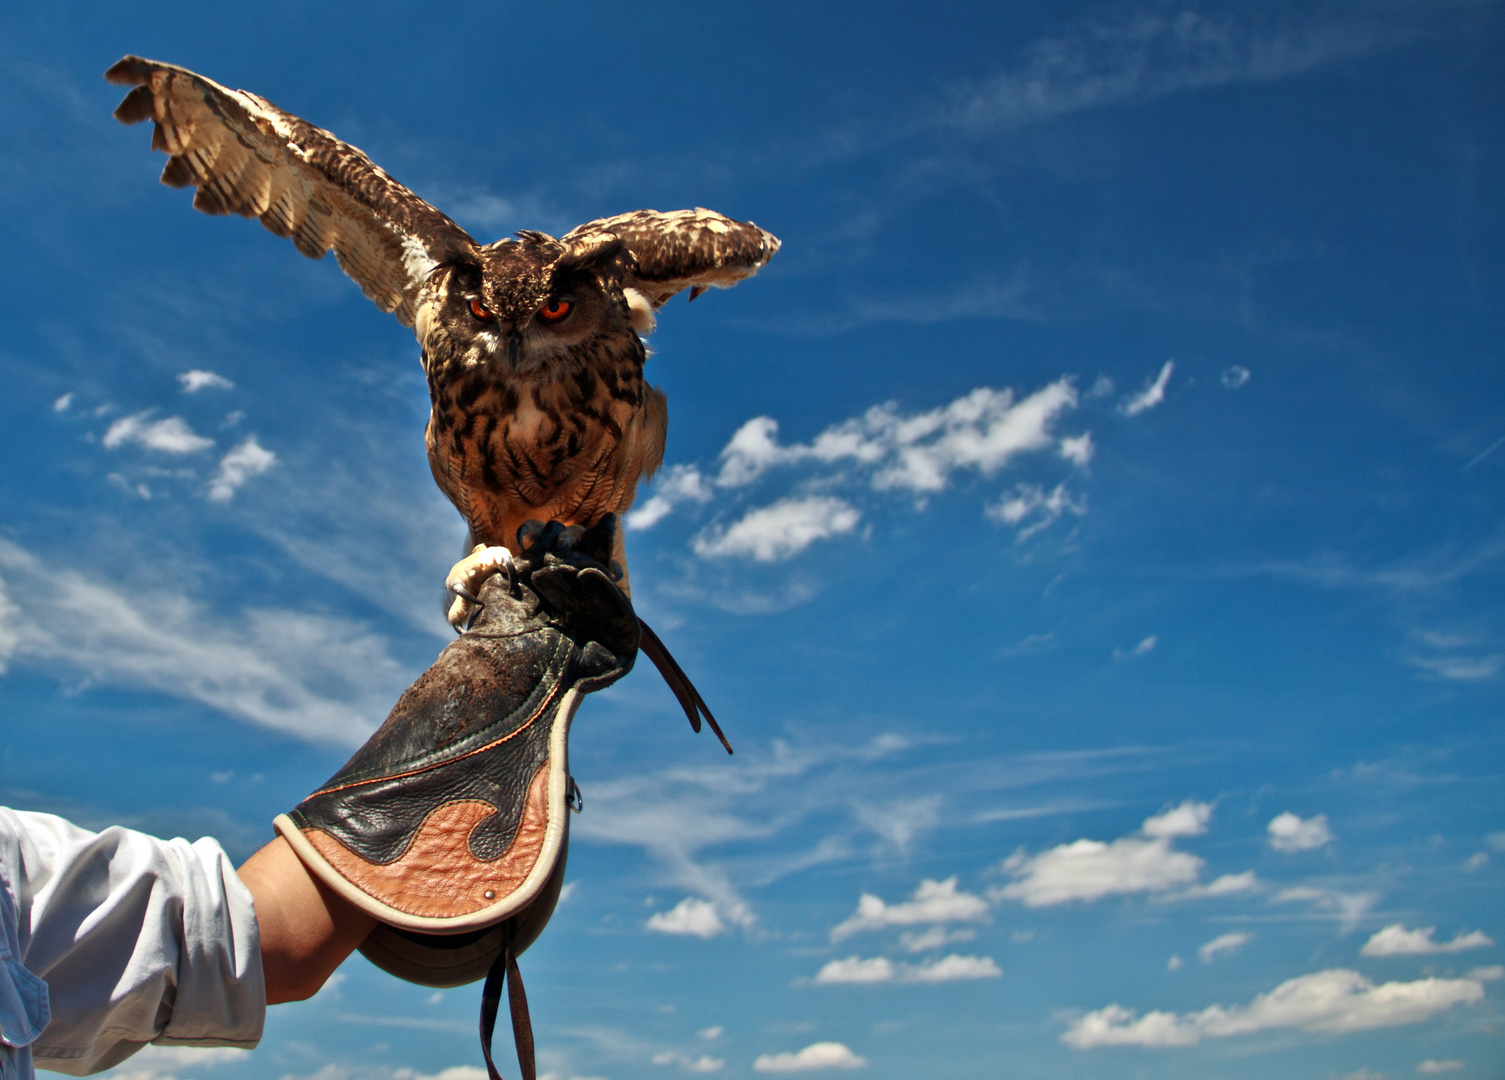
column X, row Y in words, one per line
column 168, row 436
column 1289, row 833
column 1152, row 394
column 934, row 902
column 692, row 916
column 678, row 484
column 1041, row 508
column 1226, row 885
column 1089, row 870
column 1223, row 943
column 248, row 459
column 933, row 938
column 821, row 1055
column 196, row 380
column 63, row 403
column 1334, row 1001
column 781, row 530
column 981, row 431
column 1396, row 940
column 854, row 970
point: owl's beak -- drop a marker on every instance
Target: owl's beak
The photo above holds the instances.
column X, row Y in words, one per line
column 514, row 343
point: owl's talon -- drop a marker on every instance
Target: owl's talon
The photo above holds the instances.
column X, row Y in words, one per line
column 466, row 578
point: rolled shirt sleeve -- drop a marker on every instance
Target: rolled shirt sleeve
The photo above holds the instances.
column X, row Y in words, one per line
column 137, row 939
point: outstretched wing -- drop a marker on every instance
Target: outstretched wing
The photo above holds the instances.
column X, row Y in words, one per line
column 248, row 157
column 685, row 249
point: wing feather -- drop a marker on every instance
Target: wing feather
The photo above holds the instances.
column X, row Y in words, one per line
column 685, row 249
column 248, row 157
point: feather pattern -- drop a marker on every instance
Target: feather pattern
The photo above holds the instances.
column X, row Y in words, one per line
column 248, row 157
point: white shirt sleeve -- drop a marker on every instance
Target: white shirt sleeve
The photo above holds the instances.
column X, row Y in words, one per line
column 137, row 939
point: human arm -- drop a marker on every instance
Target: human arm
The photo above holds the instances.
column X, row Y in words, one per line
column 307, row 930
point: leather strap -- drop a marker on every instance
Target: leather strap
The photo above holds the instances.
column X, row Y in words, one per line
column 504, row 969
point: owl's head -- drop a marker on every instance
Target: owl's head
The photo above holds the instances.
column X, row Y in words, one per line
column 533, row 307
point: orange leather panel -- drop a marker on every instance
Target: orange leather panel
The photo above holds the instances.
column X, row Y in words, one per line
column 437, row 876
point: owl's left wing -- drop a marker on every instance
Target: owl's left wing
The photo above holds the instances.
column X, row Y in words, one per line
column 685, row 249
column 248, row 157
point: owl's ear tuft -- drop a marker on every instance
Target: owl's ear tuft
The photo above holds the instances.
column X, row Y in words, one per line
column 640, row 311
column 602, row 254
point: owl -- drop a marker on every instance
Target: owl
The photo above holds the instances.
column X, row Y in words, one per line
column 532, row 346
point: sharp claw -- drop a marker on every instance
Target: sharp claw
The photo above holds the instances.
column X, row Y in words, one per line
column 459, row 588
column 695, row 290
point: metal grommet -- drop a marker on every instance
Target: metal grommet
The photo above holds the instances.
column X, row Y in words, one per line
column 489, row 894
column 573, row 797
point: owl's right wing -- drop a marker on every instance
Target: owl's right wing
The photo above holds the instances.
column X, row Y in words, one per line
column 248, row 157
column 685, row 249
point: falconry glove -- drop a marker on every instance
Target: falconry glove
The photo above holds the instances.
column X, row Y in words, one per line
column 450, row 825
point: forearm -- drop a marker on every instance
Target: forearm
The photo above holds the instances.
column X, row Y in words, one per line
column 307, row 930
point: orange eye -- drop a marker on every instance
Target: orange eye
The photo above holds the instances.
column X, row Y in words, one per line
column 480, row 311
column 555, row 310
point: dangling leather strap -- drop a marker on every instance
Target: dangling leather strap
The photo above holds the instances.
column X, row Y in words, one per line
column 504, row 968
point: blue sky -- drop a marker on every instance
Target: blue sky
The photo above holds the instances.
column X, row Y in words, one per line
column 1087, row 529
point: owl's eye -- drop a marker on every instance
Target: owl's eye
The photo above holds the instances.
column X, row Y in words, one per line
column 481, row 311
column 555, row 310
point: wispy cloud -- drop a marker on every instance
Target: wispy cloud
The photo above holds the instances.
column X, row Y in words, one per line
column 1152, row 394
column 780, row 530
column 171, row 435
column 198, row 379
column 1231, row 942
column 1336, row 1001
column 246, row 460
column 309, row 675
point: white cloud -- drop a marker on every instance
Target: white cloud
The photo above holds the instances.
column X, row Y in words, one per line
column 953, row 968
column 1078, row 449
column 821, row 1055
column 1492, row 973
column 1349, row 908
column 196, row 380
column 1089, row 870
column 1152, row 394
column 64, row 403
column 1144, row 648
column 248, row 459
column 1496, row 840
column 901, row 822
column 1462, row 668
column 1188, row 819
column 691, row 916
column 983, row 430
column 1174, row 963
column 1432, row 1066
column 781, row 530
column 1236, row 376
column 704, row 1063
column 711, row 1034
column 1031, row 500
column 1335, row 1001
column 1225, row 885
column 1289, row 833
column 169, row 436
column 1223, row 943
column 313, row 676
column 1396, row 940
column 933, row 902
column 856, row 970
column 934, row 938
column 677, row 484
column 1477, row 861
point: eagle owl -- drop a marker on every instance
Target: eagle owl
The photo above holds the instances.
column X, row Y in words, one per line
column 532, row 346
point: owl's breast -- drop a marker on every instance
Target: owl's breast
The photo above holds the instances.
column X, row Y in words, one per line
column 570, row 449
